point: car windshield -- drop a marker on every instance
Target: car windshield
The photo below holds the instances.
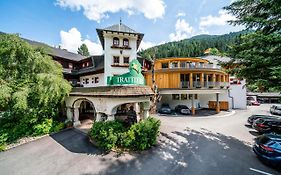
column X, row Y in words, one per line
column 278, row 107
column 165, row 105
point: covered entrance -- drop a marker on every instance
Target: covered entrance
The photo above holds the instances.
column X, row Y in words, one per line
column 105, row 103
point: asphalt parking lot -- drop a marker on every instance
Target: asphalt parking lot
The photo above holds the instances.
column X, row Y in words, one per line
column 187, row 145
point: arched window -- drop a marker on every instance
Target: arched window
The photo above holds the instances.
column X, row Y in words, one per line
column 116, row 41
column 125, row 42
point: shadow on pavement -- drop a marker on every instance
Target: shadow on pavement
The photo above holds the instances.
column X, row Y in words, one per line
column 191, row 152
column 75, row 141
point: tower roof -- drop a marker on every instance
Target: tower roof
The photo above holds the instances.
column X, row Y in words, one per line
column 119, row 28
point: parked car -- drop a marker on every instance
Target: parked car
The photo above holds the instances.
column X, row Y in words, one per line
column 272, row 108
column 252, row 118
column 268, row 148
column 165, row 109
column 275, row 110
column 266, row 125
column 182, row 109
column 252, row 102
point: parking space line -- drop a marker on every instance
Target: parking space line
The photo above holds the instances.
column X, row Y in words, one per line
column 259, row 171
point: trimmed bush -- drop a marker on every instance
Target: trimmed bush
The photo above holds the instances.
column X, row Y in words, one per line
column 106, row 134
column 144, row 134
column 113, row 134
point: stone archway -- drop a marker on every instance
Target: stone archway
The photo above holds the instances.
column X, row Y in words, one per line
column 83, row 110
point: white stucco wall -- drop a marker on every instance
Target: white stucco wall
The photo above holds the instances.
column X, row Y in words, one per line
column 238, row 92
column 92, row 80
column 110, row 52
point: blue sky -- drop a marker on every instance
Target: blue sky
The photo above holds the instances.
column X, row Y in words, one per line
column 70, row 22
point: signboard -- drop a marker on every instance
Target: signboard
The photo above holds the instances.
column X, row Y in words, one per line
column 133, row 77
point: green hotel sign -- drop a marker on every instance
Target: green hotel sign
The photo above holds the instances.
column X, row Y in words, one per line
column 133, row 77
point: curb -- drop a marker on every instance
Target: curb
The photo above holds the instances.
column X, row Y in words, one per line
column 232, row 112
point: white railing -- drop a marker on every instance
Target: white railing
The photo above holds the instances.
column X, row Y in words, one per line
column 209, row 84
column 194, row 66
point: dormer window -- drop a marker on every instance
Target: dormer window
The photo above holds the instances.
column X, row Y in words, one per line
column 125, row 42
column 116, row 41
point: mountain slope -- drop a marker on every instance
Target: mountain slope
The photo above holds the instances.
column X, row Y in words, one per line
column 195, row 46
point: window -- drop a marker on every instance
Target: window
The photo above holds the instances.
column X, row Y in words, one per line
column 175, row 96
column 87, row 81
column 165, row 65
column 83, row 65
column 70, row 65
column 125, row 42
column 195, row 96
column 126, row 60
column 174, row 64
column 96, row 79
column 116, row 41
column 87, row 64
column 115, row 59
column 183, row 96
column 93, row 80
column 183, row 64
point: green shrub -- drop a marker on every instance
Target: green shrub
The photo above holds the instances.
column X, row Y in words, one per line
column 106, row 134
column 43, row 128
column 57, row 126
column 145, row 134
column 112, row 134
column 3, row 140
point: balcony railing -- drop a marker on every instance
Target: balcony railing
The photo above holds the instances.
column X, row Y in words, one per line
column 197, row 84
column 193, row 66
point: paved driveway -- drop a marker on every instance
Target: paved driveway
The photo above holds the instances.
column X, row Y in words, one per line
column 189, row 145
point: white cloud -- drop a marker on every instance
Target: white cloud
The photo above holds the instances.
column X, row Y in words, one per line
column 181, row 14
column 72, row 39
column 99, row 9
column 219, row 20
column 145, row 45
column 183, row 30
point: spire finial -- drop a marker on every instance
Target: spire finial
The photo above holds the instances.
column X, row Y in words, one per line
column 120, row 21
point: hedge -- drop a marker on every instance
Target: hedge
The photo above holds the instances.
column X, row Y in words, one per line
column 110, row 135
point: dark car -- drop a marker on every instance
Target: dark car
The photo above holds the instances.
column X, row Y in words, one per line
column 266, row 125
column 165, row 109
column 275, row 110
column 182, row 109
column 268, row 148
column 252, row 118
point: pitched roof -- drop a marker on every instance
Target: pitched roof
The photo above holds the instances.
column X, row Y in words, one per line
column 62, row 53
column 120, row 28
column 216, row 59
